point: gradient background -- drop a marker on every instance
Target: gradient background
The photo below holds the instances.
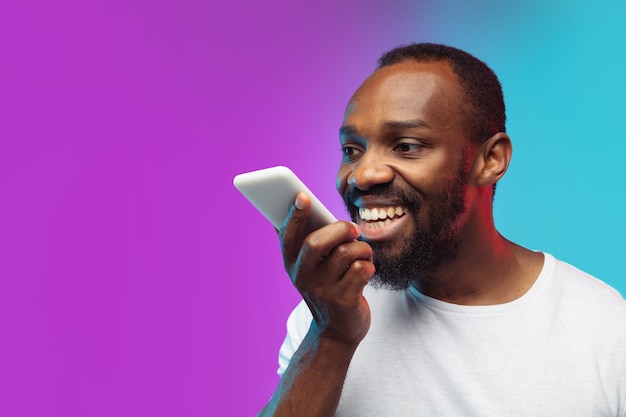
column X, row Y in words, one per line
column 136, row 281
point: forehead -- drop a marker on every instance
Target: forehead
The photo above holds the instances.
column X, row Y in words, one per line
column 428, row 91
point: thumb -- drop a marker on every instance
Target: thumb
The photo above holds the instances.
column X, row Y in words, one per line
column 292, row 231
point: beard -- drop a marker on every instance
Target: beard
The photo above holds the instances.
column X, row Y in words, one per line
column 428, row 246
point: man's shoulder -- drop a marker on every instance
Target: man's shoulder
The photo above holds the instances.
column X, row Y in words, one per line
column 579, row 284
column 589, row 301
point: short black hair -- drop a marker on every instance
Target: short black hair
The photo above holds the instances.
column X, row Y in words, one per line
column 487, row 115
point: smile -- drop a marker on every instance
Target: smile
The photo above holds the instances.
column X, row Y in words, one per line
column 380, row 217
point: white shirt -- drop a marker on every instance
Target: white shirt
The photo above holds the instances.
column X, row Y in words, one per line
column 559, row 350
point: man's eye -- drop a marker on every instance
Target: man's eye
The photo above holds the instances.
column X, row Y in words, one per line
column 407, row 147
column 350, row 153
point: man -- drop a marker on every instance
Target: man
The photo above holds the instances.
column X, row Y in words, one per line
column 456, row 320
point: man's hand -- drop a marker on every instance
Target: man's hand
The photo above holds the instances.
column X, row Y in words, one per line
column 329, row 268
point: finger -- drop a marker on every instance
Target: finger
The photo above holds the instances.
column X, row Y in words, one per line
column 291, row 232
column 331, row 268
column 340, row 259
column 319, row 245
column 356, row 277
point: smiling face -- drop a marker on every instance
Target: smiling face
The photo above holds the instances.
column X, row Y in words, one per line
column 405, row 170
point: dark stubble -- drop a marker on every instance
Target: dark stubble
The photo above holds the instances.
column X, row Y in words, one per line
column 429, row 246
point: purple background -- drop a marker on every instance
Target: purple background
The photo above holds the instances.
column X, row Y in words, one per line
column 134, row 279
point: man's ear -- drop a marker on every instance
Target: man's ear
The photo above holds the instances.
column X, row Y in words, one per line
column 492, row 160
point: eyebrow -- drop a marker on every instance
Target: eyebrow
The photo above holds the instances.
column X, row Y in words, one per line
column 349, row 130
column 406, row 124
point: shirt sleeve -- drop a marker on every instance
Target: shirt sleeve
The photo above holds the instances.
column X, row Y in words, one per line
column 298, row 325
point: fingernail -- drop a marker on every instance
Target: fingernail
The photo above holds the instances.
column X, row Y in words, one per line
column 299, row 203
column 357, row 229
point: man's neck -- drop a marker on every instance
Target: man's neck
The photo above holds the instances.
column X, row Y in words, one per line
column 488, row 270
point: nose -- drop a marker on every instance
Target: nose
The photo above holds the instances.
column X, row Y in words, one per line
column 369, row 171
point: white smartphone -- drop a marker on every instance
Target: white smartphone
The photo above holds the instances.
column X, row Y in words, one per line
column 273, row 190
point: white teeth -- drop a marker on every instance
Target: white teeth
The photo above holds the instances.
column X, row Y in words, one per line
column 379, row 224
column 383, row 214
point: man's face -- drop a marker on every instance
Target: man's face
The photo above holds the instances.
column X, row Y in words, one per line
column 405, row 167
